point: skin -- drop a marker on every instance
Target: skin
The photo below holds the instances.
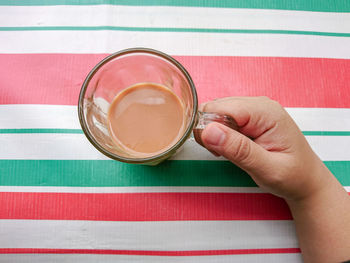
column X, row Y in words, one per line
column 270, row 147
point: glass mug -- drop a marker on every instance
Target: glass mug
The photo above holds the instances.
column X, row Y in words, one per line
column 127, row 68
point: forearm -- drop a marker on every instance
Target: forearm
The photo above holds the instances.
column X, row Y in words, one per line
column 323, row 223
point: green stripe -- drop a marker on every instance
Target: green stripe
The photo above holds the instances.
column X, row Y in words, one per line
column 169, row 29
column 99, row 173
column 79, row 131
column 307, row 5
column 71, row 131
column 326, row 133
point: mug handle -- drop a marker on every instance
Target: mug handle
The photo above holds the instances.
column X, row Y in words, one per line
column 204, row 118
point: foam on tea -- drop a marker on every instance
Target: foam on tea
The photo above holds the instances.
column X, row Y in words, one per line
column 146, row 119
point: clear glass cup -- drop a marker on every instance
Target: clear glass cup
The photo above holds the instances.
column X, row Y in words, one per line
column 124, row 69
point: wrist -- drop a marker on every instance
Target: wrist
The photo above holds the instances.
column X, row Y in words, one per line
column 318, row 183
column 322, row 221
column 323, row 189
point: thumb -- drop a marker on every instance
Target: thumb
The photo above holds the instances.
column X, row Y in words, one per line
column 236, row 147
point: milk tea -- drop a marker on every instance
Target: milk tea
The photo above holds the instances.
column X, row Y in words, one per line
column 146, row 119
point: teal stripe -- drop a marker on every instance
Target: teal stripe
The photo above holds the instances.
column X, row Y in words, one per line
column 99, row 173
column 79, row 131
column 168, row 29
column 71, row 131
column 307, row 5
column 326, row 133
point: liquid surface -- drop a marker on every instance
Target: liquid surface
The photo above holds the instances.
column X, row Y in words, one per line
column 146, row 119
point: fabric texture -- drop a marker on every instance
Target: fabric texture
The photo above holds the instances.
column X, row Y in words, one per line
column 63, row 201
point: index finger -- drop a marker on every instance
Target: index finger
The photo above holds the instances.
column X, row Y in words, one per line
column 253, row 115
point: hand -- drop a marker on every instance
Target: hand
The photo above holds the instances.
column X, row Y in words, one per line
column 268, row 146
column 272, row 150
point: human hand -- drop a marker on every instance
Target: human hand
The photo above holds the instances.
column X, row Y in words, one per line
column 268, row 146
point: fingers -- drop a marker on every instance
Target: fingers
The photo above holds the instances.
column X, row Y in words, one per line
column 236, row 147
column 254, row 115
column 268, row 144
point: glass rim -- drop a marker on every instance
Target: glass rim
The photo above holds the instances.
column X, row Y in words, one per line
column 120, row 53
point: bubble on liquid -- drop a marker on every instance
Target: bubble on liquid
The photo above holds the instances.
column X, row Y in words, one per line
column 153, row 101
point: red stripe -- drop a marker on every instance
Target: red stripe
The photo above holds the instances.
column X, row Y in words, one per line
column 149, row 253
column 295, row 82
column 143, row 206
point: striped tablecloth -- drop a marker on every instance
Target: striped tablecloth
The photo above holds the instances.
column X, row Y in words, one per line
column 62, row 201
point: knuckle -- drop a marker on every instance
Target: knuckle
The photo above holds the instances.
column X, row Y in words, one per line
column 280, row 111
column 273, row 102
column 276, row 104
column 277, row 108
column 266, row 98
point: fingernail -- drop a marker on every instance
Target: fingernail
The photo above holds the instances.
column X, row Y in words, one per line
column 216, row 136
column 201, row 106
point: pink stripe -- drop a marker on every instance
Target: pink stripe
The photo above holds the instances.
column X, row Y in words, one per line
column 295, row 82
column 149, row 253
column 143, row 206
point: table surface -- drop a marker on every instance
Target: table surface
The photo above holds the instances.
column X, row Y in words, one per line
column 62, row 201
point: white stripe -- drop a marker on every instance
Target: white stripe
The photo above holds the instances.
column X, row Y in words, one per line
column 47, row 146
column 119, row 189
column 176, row 43
column 321, row 119
column 257, row 258
column 21, row 116
column 161, row 235
column 76, row 147
column 122, row 189
column 173, row 17
column 331, row 148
